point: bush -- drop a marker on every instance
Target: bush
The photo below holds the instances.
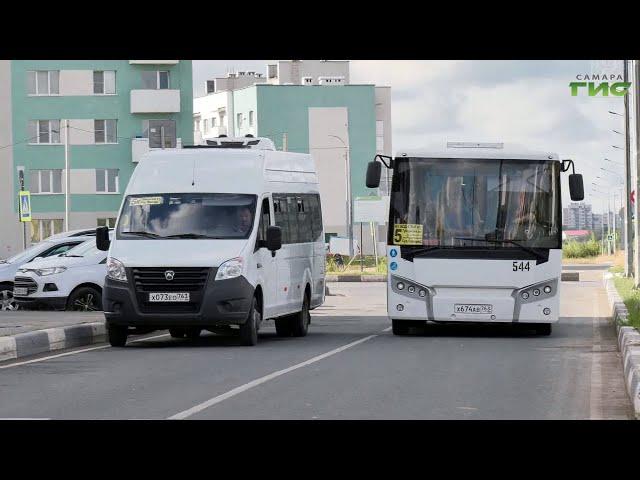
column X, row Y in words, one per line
column 573, row 249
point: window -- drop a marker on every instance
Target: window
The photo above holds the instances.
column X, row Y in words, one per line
column 313, row 206
column 206, row 126
column 265, row 221
column 106, row 180
column 251, row 118
column 221, row 114
column 43, row 82
column 162, row 133
column 107, row 222
column 239, row 120
column 155, row 80
column 44, row 131
column 104, row 82
column 299, row 217
column 46, row 181
column 281, row 218
column 105, row 131
column 213, row 122
column 44, row 228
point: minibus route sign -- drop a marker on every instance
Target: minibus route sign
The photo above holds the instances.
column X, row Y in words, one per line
column 146, row 201
column 407, row 234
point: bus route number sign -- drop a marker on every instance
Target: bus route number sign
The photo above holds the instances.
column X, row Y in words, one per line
column 407, row 234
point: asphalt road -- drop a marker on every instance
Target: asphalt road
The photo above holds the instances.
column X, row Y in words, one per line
column 350, row 366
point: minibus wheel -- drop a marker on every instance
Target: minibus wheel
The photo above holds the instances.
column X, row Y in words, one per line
column 249, row 329
column 300, row 321
column 117, row 335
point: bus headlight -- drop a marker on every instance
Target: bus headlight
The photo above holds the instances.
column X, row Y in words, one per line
column 230, row 269
column 547, row 289
column 400, row 286
column 422, row 293
column 536, row 292
column 411, row 289
column 115, row 270
column 525, row 295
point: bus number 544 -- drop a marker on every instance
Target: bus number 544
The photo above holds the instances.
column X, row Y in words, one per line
column 521, row 266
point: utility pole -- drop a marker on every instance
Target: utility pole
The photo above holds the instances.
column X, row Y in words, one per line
column 628, row 246
column 67, row 176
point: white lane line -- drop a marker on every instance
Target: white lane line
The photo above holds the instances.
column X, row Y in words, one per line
column 259, row 381
column 76, row 352
column 16, row 418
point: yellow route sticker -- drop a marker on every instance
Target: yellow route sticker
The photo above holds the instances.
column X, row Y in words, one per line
column 407, row 234
column 134, row 202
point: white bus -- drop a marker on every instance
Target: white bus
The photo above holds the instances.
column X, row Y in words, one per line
column 218, row 237
column 474, row 235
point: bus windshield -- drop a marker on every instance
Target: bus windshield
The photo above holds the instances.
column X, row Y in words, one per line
column 187, row 216
column 489, row 203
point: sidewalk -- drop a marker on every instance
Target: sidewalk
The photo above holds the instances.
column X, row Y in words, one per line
column 25, row 333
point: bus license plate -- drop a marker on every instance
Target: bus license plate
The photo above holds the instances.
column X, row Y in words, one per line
column 473, row 308
column 20, row 291
column 169, row 297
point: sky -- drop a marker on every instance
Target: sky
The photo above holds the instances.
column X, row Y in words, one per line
column 524, row 102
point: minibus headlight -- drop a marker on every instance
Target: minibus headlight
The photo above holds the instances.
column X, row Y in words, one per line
column 230, row 269
column 115, row 270
column 49, row 271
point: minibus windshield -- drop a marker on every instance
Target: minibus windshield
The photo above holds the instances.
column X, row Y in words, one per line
column 486, row 203
column 187, row 216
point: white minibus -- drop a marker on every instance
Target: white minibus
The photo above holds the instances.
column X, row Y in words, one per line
column 216, row 237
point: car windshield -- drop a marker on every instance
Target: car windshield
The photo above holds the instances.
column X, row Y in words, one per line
column 475, row 202
column 32, row 251
column 85, row 249
column 187, row 215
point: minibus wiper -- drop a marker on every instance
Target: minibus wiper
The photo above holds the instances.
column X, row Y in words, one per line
column 505, row 240
column 144, row 234
column 188, row 235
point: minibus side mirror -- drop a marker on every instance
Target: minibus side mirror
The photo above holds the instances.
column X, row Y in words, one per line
column 274, row 238
column 576, row 187
column 102, row 238
column 373, row 174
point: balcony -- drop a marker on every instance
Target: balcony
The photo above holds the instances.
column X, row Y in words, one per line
column 153, row 62
column 155, row 101
column 140, row 146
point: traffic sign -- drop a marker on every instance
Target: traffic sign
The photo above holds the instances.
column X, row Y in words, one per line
column 25, row 206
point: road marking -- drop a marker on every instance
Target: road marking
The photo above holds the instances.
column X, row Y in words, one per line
column 595, row 397
column 259, row 381
column 76, row 352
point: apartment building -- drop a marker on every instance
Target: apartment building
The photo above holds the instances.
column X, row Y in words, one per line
column 300, row 110
column 116, row 111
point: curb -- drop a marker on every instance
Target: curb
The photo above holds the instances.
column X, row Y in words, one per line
column 355, row 278
column 628, row 343
column 50, row 339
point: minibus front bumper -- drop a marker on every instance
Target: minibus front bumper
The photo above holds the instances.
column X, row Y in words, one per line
column 220, row 302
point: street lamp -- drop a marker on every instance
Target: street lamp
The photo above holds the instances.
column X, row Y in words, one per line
column 347, row 170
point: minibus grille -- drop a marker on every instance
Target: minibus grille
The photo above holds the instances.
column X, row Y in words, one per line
column 26, row 282
column 185, row 279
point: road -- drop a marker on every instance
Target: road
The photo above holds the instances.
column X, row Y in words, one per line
column 350, row 366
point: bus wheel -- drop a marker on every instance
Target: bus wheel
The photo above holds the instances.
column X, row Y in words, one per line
column 400, row 327
column 543, row 329
column 249, row 329
column 301, row 320
column 117, row 335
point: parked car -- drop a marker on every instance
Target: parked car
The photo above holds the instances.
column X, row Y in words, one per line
column 70, row 281
column 53, row 245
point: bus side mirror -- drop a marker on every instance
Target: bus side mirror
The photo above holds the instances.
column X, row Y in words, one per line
column 274, row 238
column 373, row 174
column 102, row 238
column 576, row 187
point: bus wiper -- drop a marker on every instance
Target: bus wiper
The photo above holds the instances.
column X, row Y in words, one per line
column 188, row 235
column 513, row 241
column 420, row 251
column 144, row 234
column 70, row 256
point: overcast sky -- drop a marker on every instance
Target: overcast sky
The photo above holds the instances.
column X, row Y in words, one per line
column 524, row 102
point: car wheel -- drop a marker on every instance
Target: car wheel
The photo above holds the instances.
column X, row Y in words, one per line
column 85, row 299
column 7, row 302
column 117, row 335
column 193, row 333
column 249, row 329
column 300, row 321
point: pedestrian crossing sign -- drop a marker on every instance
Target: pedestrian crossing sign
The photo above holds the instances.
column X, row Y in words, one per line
column 25, row 206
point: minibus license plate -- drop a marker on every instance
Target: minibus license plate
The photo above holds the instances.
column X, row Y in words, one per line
column 20, row 291
column 473, row 308
column 169, row 297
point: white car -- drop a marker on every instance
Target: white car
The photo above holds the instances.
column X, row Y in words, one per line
column 71, row 281
column 54, row 245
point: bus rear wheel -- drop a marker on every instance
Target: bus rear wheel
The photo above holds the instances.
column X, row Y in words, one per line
column 400, row 327
column 543, row 329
